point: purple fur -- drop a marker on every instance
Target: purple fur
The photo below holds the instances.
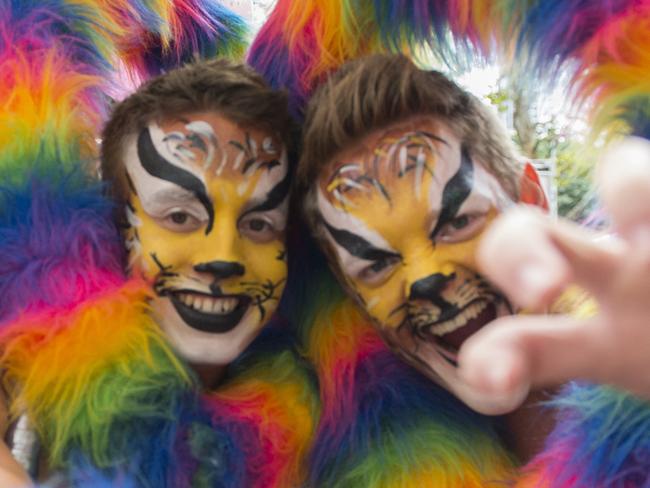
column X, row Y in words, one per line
column 58, row 242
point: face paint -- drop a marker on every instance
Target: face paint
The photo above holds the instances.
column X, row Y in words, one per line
column 207, row 219
column 403, row 213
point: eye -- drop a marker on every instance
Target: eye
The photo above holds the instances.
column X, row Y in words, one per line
column 460, row 222
column 461, row 228
column 181, row 221
column 179, row 217
column 258, row 228
column 379, row 270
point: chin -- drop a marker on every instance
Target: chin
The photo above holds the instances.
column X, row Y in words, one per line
column 200, row 346
column 436, row 356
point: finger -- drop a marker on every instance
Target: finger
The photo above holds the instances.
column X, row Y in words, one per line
column 518, row 256
column 624, row 179
column 516, row 353
column 12, row 474
column 532, row 258
column 592, row 257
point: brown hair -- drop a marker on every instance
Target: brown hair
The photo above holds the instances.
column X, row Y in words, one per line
column 380, row 90
column 231, row 89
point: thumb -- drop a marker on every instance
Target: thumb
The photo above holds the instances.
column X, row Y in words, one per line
column 624, row 179
column 514, row 354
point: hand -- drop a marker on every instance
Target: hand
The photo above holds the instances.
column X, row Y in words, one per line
column 532, row 259
column 12, row 474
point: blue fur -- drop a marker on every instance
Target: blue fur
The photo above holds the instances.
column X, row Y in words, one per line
column 224, row 31
column 607, row 433
column 550, row 34
column 169, row 442
column 73, row 28
column 393, row 404
column 271, row 59
column 56, row 222
column 417, row 23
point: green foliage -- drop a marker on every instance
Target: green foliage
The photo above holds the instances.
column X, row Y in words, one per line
column 551, row 140
column 574, row 171
column 499, row 99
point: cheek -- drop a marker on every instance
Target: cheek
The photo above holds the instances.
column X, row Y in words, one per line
column 462, row 253
column 170, row 249
column 384, row 302
column 264, row 262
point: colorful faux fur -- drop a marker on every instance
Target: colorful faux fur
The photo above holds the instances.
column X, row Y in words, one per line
column 81, row 355
column 110, row 400
column 602, row 437
column 382, row 424
column 604, row 43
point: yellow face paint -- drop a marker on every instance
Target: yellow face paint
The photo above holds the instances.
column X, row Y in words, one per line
column 403, row 212
column 207, row 221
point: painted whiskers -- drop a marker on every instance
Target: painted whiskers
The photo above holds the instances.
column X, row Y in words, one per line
column 81, row 355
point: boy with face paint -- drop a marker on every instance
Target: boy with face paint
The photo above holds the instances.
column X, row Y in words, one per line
column 403, row 172
column 198, row 160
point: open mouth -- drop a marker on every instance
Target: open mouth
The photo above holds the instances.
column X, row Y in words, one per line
column 451, row 334
column 208, row 313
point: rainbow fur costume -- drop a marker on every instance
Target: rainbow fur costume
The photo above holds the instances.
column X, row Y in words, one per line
column 130, row 413
column 602, row 438
column 111, row 402
column 382, row 424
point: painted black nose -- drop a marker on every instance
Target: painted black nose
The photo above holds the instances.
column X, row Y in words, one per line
column 221, row 269
column 430, row 288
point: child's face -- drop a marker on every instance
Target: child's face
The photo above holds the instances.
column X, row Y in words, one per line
column 403, row 212
column 207, row 219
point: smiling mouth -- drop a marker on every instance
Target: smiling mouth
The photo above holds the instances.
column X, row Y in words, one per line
column 450, row 335
column 208, row 313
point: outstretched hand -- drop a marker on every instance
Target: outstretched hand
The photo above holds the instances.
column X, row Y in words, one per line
column 533, row 259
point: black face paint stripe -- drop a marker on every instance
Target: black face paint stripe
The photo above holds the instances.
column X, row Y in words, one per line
column 159, row 167
column 456, row 191
column 247, row 164
column 275, row 197
column 357, row 245
column 197, row 142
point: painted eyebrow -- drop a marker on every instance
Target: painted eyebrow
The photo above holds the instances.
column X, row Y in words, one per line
column 274, row 197
column 158, row 166
column 456, row 191
column 357, row 246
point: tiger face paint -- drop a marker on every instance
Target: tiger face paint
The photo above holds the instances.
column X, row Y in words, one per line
column 207, row 219
column 402, row 213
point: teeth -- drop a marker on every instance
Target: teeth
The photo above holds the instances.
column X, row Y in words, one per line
column 187, row 299
column 205, row 304
column 459, row 320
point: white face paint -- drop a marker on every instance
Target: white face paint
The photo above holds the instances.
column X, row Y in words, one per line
column 208, row 214
column 403, row 212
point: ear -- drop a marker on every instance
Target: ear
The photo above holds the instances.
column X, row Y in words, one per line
column 530, row 188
